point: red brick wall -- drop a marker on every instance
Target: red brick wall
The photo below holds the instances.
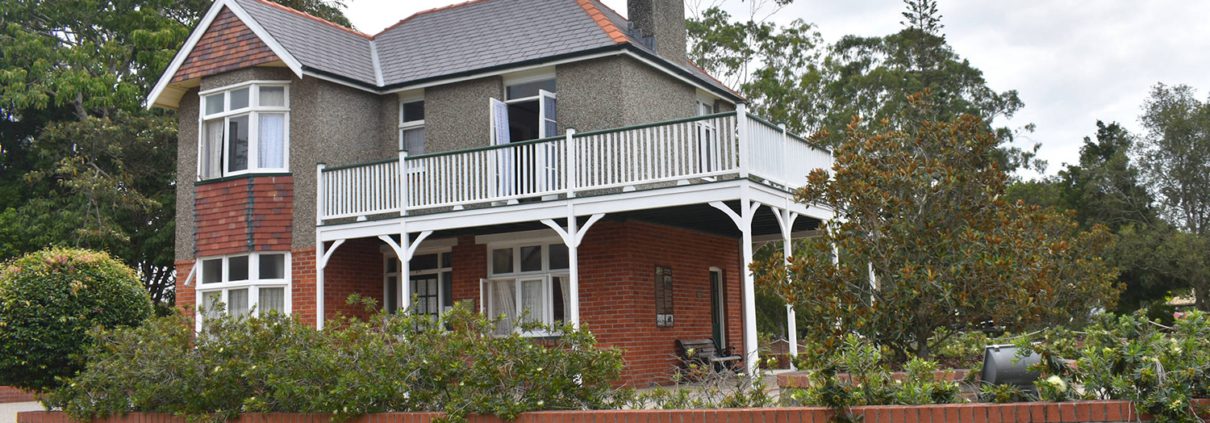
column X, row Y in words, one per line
column 10, row 394
column 355, row 268
column 185, row 296
column 227, row 45
column 470, row 265
column 617, row 292
column 244, row 214
column 302, row 285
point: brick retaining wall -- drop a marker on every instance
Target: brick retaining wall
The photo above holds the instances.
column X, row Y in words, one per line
column 10, row 394
column 1067, row 412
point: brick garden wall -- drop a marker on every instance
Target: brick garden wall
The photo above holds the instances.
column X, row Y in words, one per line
column 10, row 394
column 1068, row 412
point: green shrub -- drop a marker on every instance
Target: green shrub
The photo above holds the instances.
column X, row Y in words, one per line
column 867, row 380
column 385, row 363
column 50, row 300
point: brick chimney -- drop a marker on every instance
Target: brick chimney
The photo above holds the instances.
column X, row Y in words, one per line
column 663, row 22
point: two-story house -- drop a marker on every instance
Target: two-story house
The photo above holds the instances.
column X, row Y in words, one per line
column 542, row 159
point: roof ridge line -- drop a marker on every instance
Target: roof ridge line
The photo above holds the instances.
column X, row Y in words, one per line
column 315, row 18
column 604, row 23
column 425, row 12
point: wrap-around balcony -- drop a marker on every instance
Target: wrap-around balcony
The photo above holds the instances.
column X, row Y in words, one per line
column 732, row 145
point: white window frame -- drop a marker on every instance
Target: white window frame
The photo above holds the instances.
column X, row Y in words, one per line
column 416, row 124
column 253, row 111
column 253, row 284
column 540, row 98
column 388, row 255
column 517, row 276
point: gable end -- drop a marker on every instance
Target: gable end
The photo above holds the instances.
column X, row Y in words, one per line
column 226, row 45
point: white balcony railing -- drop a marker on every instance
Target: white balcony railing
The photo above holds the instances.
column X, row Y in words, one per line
column 686, row 149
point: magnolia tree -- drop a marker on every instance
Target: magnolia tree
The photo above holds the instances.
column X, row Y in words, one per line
column 923, row 239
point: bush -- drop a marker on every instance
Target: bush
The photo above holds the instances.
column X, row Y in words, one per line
column 385, row 363
column 49, row 300
column 868, row 380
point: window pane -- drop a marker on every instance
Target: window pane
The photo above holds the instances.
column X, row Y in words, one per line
column 413, row 140
column 239, row 99
column 531, row 300
column 214, row 103
column 211, row 161
column 413, row 111
column 392, row 265
column 237, row 268
column 212, row 271
column 210, row 302
column 273, row 96
column 502, row 301
column 272, row 266
column 558, row 256
column 237, row 136
column 531, row 258
column 502, row 260
column 271, row 300
column 424, row 262
column 447, row 290
column 447, row 260
column 237, row 302
column 559, row 293
column 272, row 141
column 391, row 302
column 530, row 89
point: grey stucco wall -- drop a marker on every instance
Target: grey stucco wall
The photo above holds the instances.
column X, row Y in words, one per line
column 186, row 174
column 388, row 137
column 652, row 96
column 589, row 95
column 456, row 115
column 333, row 124
column 665, row 21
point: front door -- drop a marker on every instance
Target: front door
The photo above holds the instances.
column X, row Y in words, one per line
column 718, row 309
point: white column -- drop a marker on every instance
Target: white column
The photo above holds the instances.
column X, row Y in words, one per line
column 791, row 323
column 405, row 271
column 572, row 236
column 751, row 355
column 741, row 126
column 743, row 221
column 319, row 283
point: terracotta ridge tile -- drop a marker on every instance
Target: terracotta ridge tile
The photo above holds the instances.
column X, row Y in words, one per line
column 606, row 25
column 315, row 18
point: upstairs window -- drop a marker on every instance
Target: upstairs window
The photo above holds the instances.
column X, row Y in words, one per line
column 244, row 129
column 529, row 111
column 411, row 127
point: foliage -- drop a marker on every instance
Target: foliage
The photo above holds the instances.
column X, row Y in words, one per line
column 49, row 300
column 698, row 385
column 1175, row 162
column 353, row 367
column 867, row 380
column 789, row 75
column 82, row 163
column 961, row 350
column 926, row 240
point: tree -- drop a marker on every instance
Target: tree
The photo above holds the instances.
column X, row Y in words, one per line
column 927, row 240
column 790, row 76
column 81, row 162
column 1175, row 157
column 50, row 300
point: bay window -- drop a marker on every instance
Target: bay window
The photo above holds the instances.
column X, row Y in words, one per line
column 243, row 285
column 244, row 129
column 527, row 283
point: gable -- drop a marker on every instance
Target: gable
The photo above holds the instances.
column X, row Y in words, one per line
column 226, row 45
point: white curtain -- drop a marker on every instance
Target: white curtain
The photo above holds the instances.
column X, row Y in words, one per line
column 531, row 300
column 271, row 299
column 272, row 142
column 504, row 299
column 504, row 157
column 237, row 302
column 565, row 287
column 212, row 150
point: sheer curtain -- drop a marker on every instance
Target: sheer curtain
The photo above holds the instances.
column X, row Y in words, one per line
column 212, row 150
column 272, row 299
column 504, row 301
column 531, row 300
column 565, row 287
column 272, row 144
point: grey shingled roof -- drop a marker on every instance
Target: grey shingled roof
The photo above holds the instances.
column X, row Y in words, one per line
column 466, row 37
column 485, row 34
column 316, row 44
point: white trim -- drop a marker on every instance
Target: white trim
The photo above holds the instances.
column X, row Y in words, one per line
column 253, row 111
column 253, row 284
column 511, row 238
column 524, row 77
column 196, row 35
column 241, row 84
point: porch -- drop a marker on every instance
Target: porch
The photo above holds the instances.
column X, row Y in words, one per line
column 730, row 175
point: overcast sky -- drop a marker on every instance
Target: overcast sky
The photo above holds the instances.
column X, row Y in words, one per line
column 1073, row 62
